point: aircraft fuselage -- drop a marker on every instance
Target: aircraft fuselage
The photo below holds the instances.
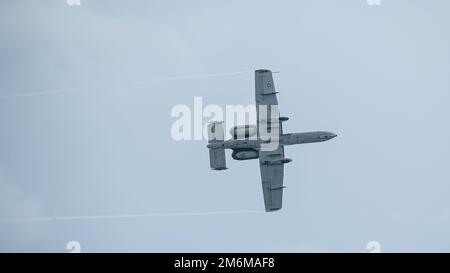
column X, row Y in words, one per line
column 244, row 149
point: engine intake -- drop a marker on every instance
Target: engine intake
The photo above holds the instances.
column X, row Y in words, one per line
column 243, row 131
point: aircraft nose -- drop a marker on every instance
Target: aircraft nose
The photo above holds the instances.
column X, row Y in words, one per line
column 333, row 135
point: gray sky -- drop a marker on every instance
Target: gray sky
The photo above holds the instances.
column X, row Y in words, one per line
column 375, row 75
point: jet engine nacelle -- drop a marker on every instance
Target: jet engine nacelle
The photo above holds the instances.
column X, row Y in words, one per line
column 243, row 131
column 245, row 154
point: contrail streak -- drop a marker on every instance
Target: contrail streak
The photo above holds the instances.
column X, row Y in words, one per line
column 121, row 216
column 118, row 84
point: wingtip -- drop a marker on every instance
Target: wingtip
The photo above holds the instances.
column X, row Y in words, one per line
column 272, row 209
column 262, row 71
column 267, row 71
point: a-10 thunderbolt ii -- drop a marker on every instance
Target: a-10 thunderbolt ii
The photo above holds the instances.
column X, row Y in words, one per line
column 265, row 141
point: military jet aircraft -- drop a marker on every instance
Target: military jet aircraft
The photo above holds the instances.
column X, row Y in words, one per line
column 248, row 141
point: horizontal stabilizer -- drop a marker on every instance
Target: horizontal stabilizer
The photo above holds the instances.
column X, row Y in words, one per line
column 217, row 159
column 216, row 155
column 215, row 131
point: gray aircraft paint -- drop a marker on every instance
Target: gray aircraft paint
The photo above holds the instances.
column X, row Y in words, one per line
column 271, row 162
column 376, row 75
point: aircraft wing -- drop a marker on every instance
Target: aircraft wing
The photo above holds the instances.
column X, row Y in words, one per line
column 265, row 95
column 264, row 88
column 270, row 162
column 272, row 171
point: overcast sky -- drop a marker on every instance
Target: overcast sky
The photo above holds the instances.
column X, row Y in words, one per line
column 378, row 76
